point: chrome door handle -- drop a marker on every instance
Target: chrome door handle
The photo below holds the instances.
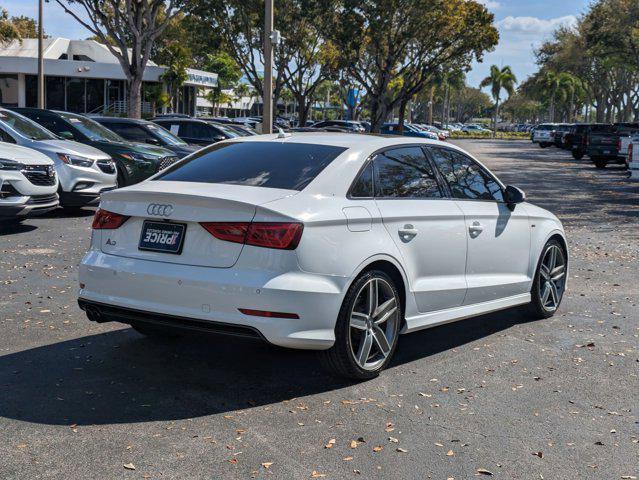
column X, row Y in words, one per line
column 476, row 228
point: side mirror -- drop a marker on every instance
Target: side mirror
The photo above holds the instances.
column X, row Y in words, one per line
column 514, row 195
column 66, row 135
column 218, row 138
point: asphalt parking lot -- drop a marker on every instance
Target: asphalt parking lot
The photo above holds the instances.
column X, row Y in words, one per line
column 493, row 397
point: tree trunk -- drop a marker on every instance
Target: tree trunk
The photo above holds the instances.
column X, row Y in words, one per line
column 402, row 115
column 430, row 105
column 378, row 115
column 496, row 115
column 134, row 104
column 303, row 108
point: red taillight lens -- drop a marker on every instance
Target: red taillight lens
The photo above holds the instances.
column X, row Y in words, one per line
column 227, row 231
column 285, row 236
column 280, row 235
column 105, row 220
column 630, row 150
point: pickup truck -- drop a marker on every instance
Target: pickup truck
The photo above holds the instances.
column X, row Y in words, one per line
column 626, row 133
column 603, row 143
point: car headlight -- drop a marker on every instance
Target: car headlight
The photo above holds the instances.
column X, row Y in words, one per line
column 76, row 160
column 6, row 164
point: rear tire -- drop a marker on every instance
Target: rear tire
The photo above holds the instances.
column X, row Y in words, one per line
column 120, row 179
column 549, row 283
column 600, row 162
column 543, row 145
column 366, row 330
column 577, row 154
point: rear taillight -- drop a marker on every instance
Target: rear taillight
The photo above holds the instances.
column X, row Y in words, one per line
column 105, row 220
column 279, row 235
column 619, row 144
column 630, row 150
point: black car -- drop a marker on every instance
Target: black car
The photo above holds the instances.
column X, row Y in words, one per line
column 350, row 125
column 576, row 139
column 241, row 130
column 143, row 131
column 560, row 130
column 195, row 131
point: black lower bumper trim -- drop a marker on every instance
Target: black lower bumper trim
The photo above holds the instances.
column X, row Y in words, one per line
column 100, row 312
column 78, row 199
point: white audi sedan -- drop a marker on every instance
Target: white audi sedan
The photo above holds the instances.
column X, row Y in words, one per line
column 325, row 241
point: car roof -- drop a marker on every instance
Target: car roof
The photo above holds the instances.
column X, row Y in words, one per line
column 355, row 141
column 120, row 120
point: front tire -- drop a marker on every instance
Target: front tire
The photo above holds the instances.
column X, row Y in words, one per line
column 549, row 283
column 577, row 154
column 367, row 328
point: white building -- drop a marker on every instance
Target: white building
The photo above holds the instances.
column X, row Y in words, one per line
column 81, row 76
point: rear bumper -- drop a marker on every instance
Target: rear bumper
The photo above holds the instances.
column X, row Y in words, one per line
column 203, row 298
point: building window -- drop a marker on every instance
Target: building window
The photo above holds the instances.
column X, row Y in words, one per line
column 31, row 91
column 75, row 95
column 9, row 90
column 94, row 95
column 55, row 89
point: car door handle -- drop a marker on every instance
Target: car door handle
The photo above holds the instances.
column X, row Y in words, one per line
column 476, row 228
column 408, row 232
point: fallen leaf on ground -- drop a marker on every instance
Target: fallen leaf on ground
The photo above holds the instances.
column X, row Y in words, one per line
column 401, row 450
column 483, row 471
column 378, row 448
column 450, row 453
column 267, row 464
column 330, row 443
column 315, row 474
column 129, row 466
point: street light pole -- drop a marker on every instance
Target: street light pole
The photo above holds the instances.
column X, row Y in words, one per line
column 40, row 58
column 267, row 111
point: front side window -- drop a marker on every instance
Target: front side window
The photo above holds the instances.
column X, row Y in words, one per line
column 465, row 177
column 290, row 166
column 130, row 132
column 405, row 173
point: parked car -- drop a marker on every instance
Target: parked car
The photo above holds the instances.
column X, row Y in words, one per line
column 576, row 138
column 304, row 244
column 348, row 125
column 83, row 172
column 558, row 137
column 409, row 131
column 475, row 129
column 28, row 183
column 603, row 146
column 544, row 134
column 134, row 161
column 633, row 157
column 625, row 131
column 239, row 130
column 143, row 131
column 195, row 131
column 441, row 134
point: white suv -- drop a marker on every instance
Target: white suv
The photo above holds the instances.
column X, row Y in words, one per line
column 84, row 171
column 28, row 183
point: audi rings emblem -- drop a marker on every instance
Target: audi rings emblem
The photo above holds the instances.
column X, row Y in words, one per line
column 159, row 209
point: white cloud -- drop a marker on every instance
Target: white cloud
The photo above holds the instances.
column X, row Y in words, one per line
column 490, row 4
column 534, row 25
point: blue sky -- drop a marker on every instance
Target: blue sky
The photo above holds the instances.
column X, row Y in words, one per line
column 522, row 25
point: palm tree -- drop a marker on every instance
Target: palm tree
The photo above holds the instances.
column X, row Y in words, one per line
column 498, row 80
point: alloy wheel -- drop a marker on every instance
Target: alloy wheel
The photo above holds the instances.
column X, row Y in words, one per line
column 373, row 324
column 552, row 278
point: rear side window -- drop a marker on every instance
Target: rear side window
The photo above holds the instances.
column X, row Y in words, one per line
column 465, row 177
column 363, row 186
column 405, row 173
column 291, row 166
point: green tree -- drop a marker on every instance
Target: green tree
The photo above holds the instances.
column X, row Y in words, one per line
column 8, row 30
column 129, row 29
column 498, row 80
column 176, row 58
column 385, row 40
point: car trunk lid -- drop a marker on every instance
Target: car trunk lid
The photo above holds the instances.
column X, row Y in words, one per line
column 187, row 204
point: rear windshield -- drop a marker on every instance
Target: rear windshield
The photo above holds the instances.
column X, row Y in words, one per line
column 290, row 166
column 545, row 127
